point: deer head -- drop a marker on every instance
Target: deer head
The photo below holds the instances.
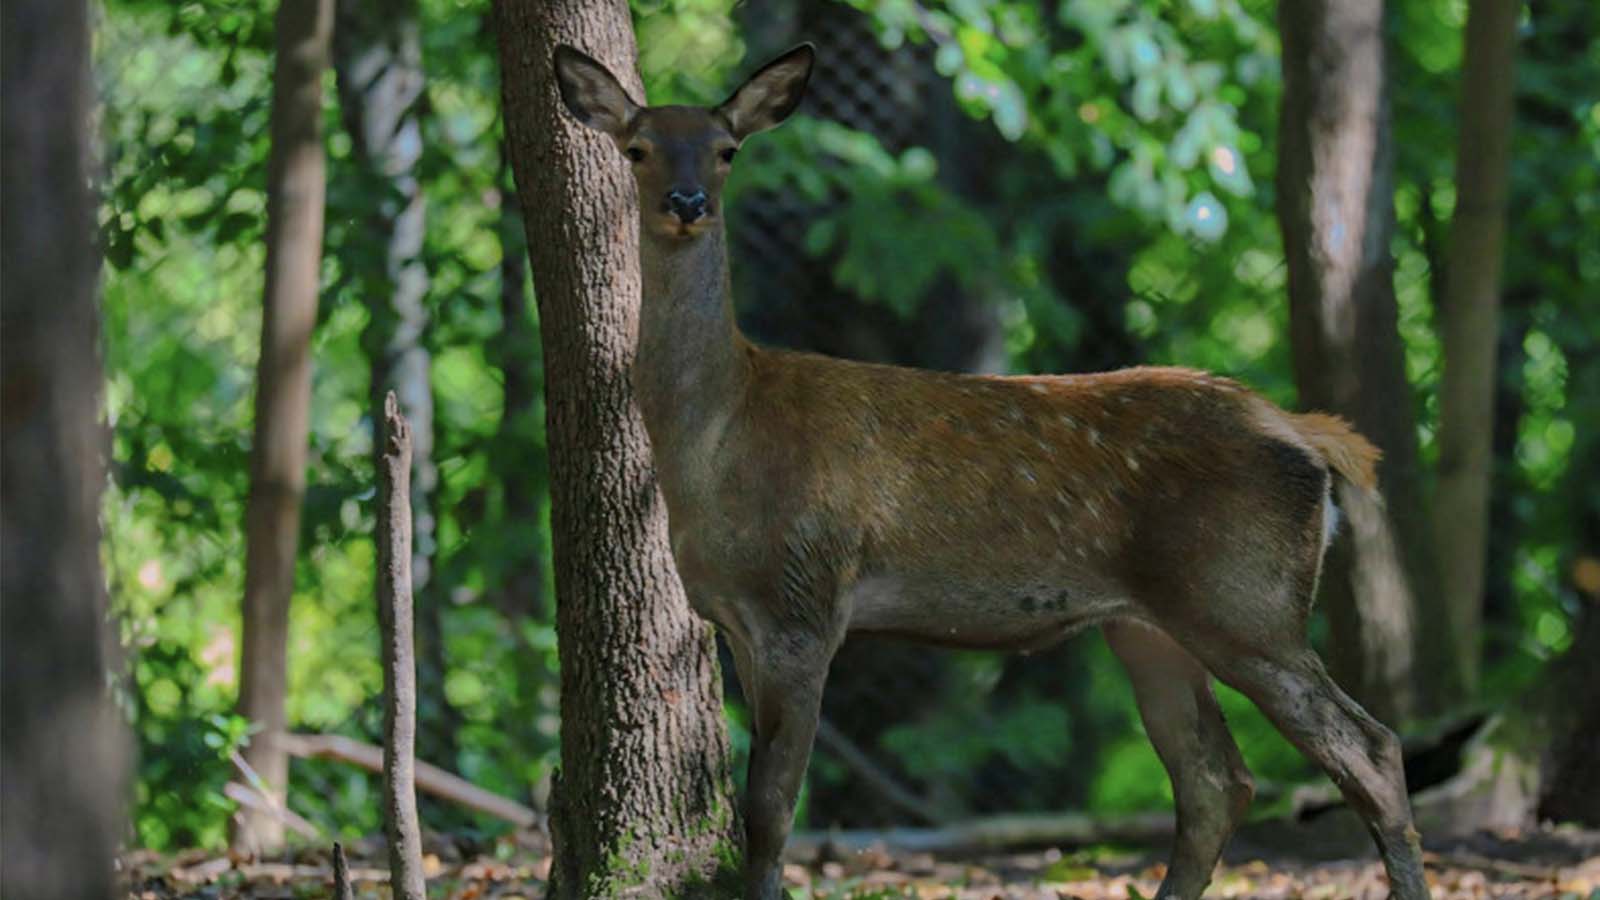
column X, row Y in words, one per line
column 681, row 155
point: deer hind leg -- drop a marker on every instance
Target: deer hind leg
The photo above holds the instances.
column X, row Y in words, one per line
column 1210, row 784
column 1288, row 682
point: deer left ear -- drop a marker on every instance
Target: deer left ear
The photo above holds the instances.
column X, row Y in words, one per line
column 771, row 94
column 591, row 93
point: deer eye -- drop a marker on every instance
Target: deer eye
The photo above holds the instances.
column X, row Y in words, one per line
column 634, row 153
column 727, row 154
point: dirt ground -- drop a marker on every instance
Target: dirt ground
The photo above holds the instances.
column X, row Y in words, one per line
column 1547, row 863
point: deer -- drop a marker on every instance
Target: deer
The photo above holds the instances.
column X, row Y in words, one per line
column 810, row 498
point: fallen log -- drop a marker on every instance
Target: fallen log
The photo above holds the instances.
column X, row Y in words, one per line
column 430, row 778
column 992, row 833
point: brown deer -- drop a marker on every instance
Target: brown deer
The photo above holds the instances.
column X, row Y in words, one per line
column 810, row 498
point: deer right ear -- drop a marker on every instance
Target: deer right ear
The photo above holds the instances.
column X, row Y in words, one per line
column 591, row 93
column 771, row 94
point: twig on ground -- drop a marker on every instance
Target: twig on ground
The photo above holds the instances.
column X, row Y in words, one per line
column 399, row 662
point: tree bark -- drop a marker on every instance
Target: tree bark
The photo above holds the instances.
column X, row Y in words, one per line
column 295, row 185
column 643, row 802
column 1468, row 327
column 399, row 658
column 1336, row 212
column 62, row 746
column 377, row 57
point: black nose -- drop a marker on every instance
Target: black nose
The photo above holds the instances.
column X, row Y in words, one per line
column 686, row 205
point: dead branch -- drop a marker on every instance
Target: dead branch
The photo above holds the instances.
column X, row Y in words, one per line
column 430, row 778
column 253, row 798
column 995, row 833
column 874, row 776
column 399, row 662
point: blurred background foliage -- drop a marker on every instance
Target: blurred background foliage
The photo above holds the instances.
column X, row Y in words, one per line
column 1094, row 190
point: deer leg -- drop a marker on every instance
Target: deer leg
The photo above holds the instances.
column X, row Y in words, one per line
column 1211, row 787
column 786, row 697
column 1362, row 757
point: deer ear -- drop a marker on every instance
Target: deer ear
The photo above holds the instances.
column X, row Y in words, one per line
column 592, row 94
column 771, row 94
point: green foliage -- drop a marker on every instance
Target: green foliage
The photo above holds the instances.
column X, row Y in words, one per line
column 1147, row 91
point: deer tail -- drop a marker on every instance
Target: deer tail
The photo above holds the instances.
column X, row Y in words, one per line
column 1349, row 454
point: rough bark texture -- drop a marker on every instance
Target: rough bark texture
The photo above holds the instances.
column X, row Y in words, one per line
column 295, row 184
column 1468, row 325
column 1335, row 208
column 399, row 660
column 61, row 743
column 377, row 55
column 643, row 803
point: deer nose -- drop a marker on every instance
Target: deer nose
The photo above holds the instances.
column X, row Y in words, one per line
column 686, row 205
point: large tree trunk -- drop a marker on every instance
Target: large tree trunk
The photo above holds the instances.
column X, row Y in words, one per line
column 1468, row 325
column 61, row 745
column 377, row 56
column 643, row 803
column 295, row 185
column 1335, row 208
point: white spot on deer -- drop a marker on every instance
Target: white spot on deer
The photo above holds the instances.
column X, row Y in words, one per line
column 1055, row 522
column 1082, row 553
column 1027, row 474
column 1038, row 388
column 1133, row 464
column 1069, row 422
column 1016, row 414
column 1094, row 436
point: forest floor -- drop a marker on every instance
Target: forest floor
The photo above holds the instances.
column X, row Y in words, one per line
column 1546, row 863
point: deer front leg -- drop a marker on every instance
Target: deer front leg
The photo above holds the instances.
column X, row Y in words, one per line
column 785, row 698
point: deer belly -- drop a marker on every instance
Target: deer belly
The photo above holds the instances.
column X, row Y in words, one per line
column 1014, row 616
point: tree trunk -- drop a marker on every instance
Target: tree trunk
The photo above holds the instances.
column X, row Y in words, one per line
column 295, row 184
column 643, row 802
column 377, row 56
column 516, row 352
column 1335, row 208
column 1468, row 326
column 62, row 749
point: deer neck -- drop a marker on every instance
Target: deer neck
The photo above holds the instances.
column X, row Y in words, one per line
column 691, row 364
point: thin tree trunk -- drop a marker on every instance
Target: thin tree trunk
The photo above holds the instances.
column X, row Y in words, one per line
column 62, row 748
column 643, row 802
column 1335, row 208
column 1468, row 324
column 377, row 56
column 399, row 658
column 517, row 356
column 295, row 186
column 519, row 464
